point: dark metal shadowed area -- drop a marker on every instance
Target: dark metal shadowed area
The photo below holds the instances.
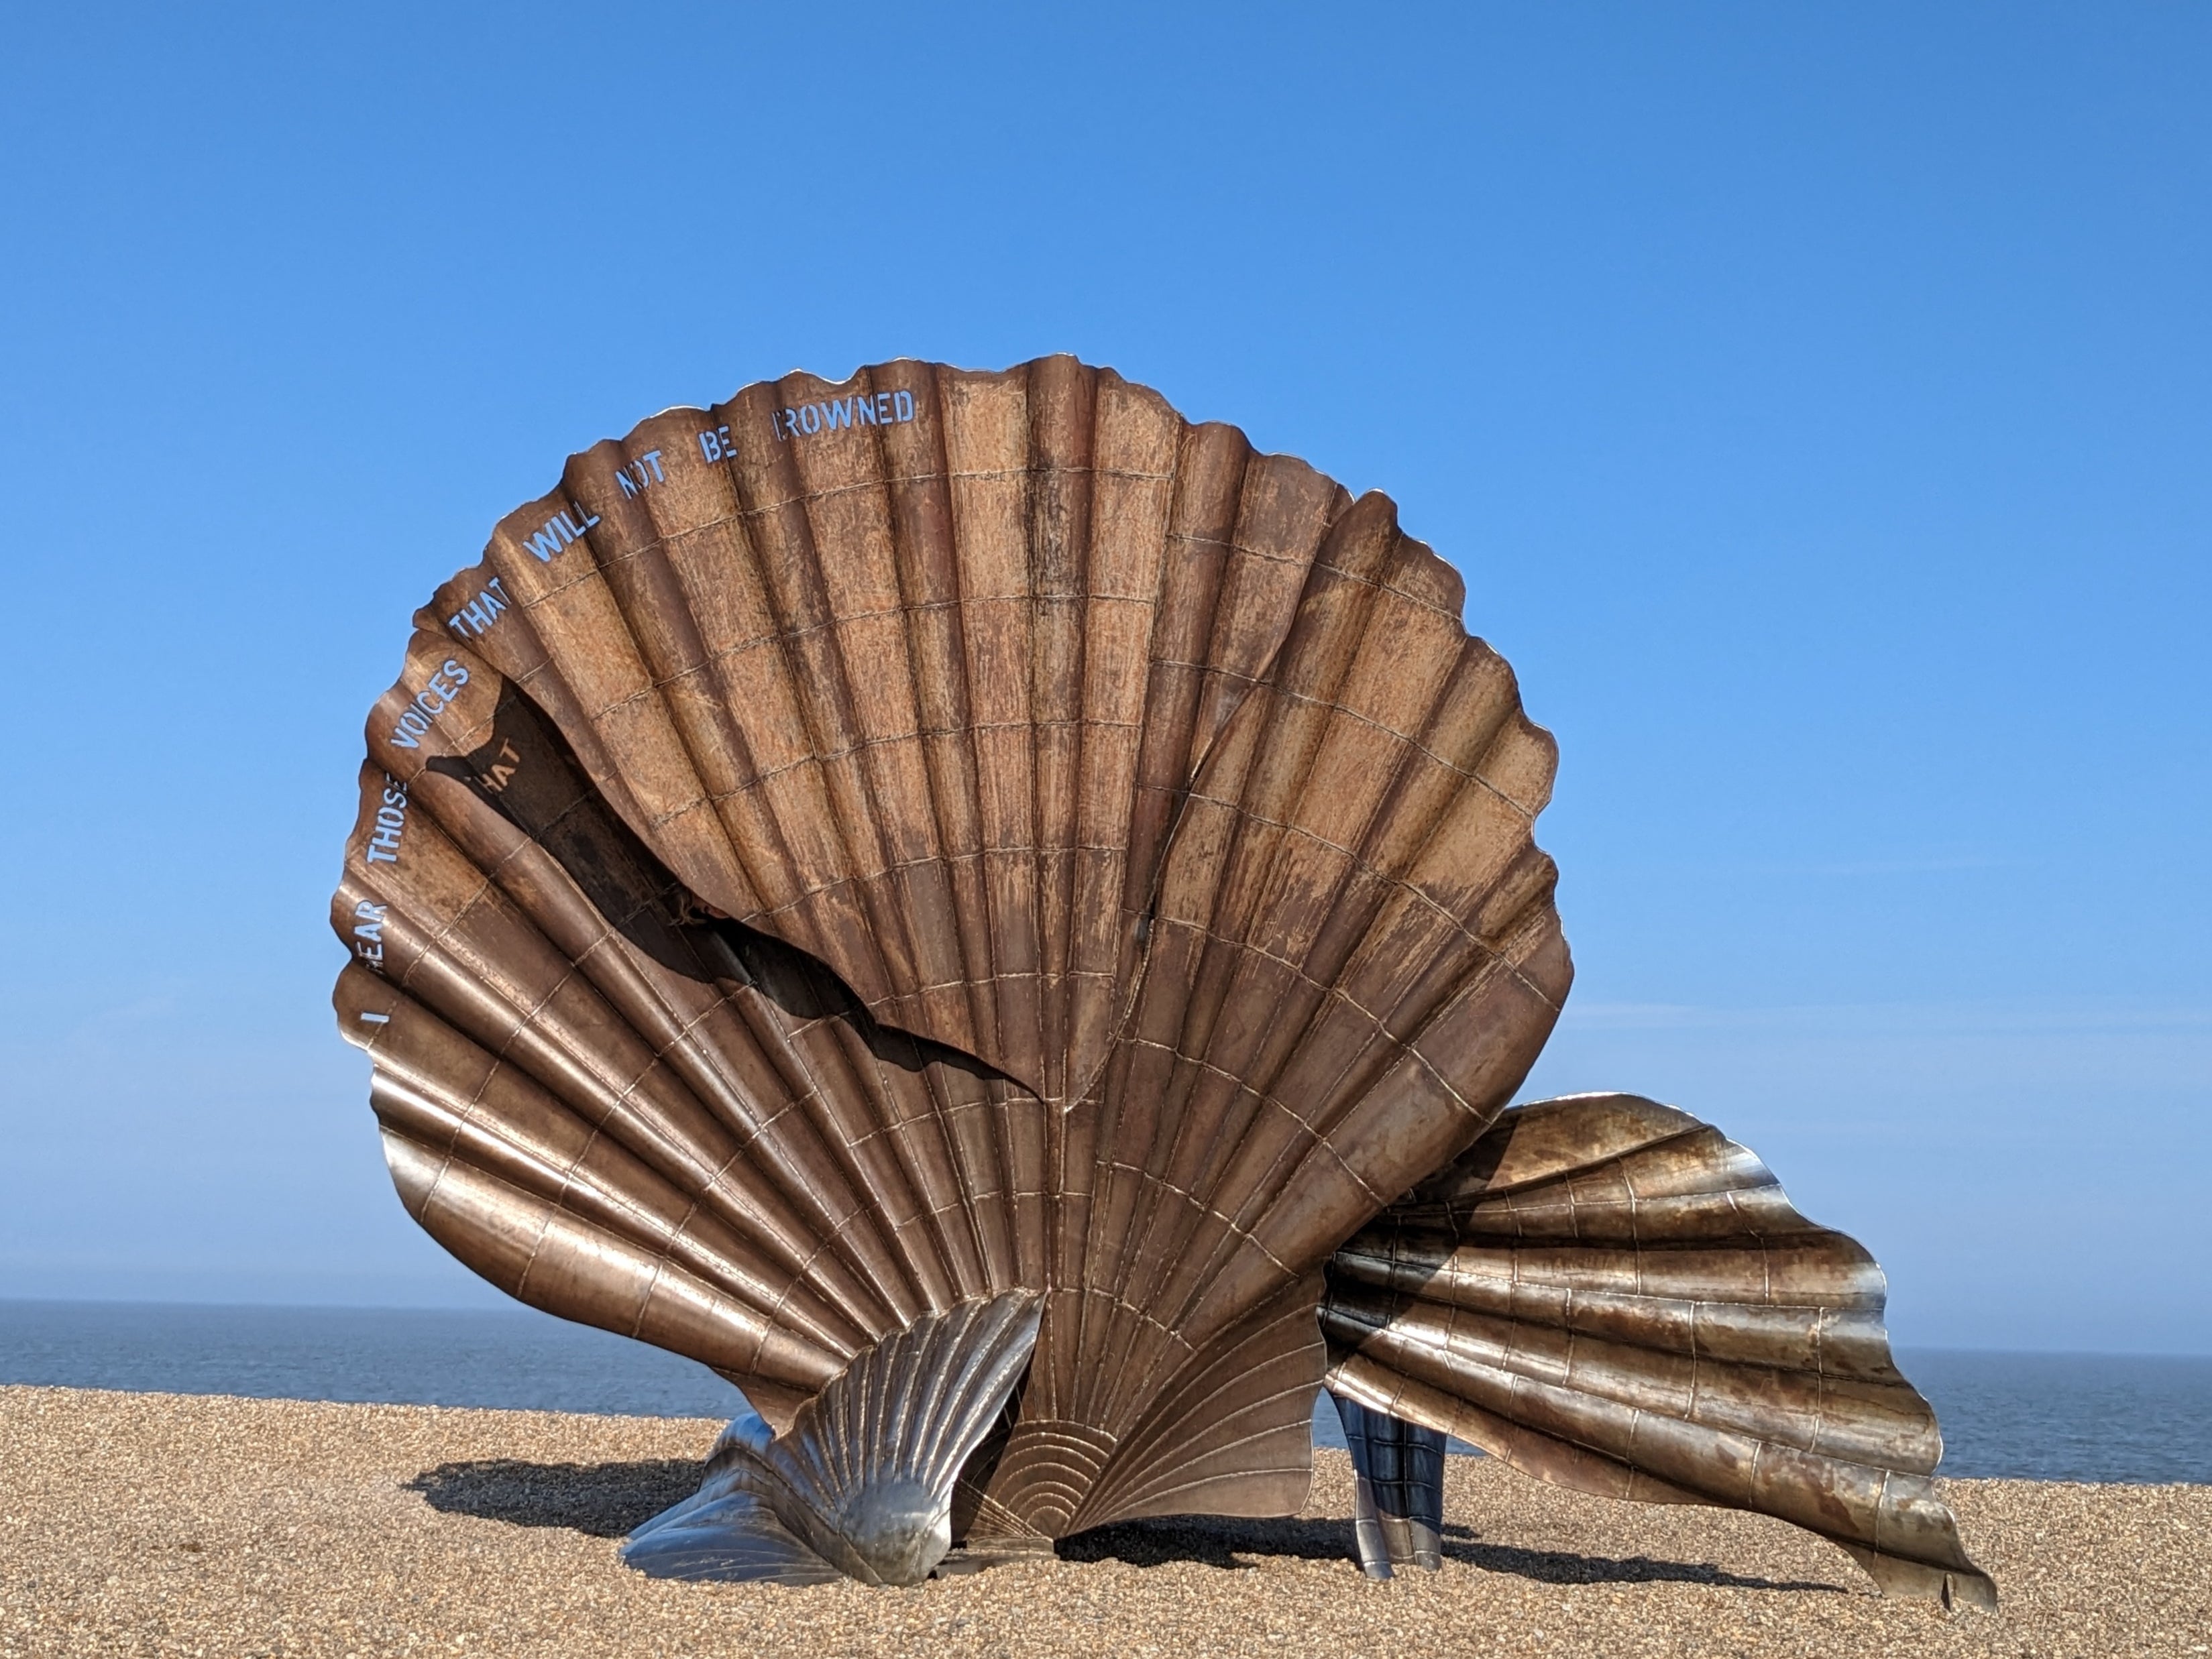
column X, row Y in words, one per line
column 869, row 856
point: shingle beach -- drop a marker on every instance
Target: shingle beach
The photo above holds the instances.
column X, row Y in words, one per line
column 173, row 1524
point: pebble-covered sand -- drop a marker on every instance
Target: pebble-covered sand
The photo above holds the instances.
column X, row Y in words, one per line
column 172, row 1524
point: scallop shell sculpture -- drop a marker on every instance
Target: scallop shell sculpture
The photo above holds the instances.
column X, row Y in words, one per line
column 1005, row 923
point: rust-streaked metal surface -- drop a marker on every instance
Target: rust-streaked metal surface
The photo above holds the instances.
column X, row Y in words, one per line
column 867, row 850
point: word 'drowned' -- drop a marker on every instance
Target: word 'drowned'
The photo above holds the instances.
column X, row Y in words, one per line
column 862, row 409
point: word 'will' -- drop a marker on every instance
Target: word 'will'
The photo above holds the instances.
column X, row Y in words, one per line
column 559, row 530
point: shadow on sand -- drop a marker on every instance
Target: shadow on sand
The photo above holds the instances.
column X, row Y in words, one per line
column 1232, row 1543
column 607, row 1500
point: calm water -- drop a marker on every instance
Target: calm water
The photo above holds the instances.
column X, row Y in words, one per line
column 2049, row 1417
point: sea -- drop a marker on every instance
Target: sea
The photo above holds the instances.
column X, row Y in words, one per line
column 2136, row 1418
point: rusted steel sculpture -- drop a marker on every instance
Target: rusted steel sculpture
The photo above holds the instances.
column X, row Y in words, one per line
column 1005, row 923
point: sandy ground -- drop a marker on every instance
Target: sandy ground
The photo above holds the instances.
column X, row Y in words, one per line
column 170, row 1524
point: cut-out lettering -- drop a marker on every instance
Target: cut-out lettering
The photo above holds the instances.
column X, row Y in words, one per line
column 368, row 932
column 431, row 701
column 882, row 409
column 642, row 474
column 390, row 824
column 479, row 613
column 559, row 532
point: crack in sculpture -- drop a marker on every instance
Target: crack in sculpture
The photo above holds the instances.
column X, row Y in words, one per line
column 819, row 891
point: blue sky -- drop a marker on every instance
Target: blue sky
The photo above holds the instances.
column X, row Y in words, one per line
column 1818, row 401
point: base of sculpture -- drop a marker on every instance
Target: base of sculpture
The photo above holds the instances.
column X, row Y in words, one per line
column 861, row 1484
column 1398, row 1490
column 1601, row 1291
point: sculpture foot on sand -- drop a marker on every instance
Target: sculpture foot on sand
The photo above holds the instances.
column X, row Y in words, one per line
column 1398, row 1490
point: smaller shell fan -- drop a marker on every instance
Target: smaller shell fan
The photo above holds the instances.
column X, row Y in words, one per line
column 1610, row 1295
column 863, row 1485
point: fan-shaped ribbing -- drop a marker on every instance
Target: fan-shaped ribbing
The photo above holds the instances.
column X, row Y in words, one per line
column 1611, row 1295
column 868, row 847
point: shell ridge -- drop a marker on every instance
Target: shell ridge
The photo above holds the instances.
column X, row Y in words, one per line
column 961, row 1193
column 987, row 902
column 631, row 1119
column 1057, row 440
column 656, row 605
column 857, row 1246
column 803, row 607
column 986, row 615
column 874, row 749
column 790, row 1054
column 852, row 1242
column 1088, row 1336
column 1615, row 1382
column 1001, row 1125
column 553, row 1182
column 628, row 680
column 767, row 855
column 1060, row 430
column 929, row 609
column 517, row 1279
column 895, row 1132
column 1206, row 1167
column 862, row 1143
column 730, row 787
column 1280, row 1333
column 943, row 1407
column 443, row 952
column 1179, row 728
column 953, row 765
column 1190, row 1131
column 917, row 1446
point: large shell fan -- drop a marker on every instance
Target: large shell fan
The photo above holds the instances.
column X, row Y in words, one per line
column 871, row 847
